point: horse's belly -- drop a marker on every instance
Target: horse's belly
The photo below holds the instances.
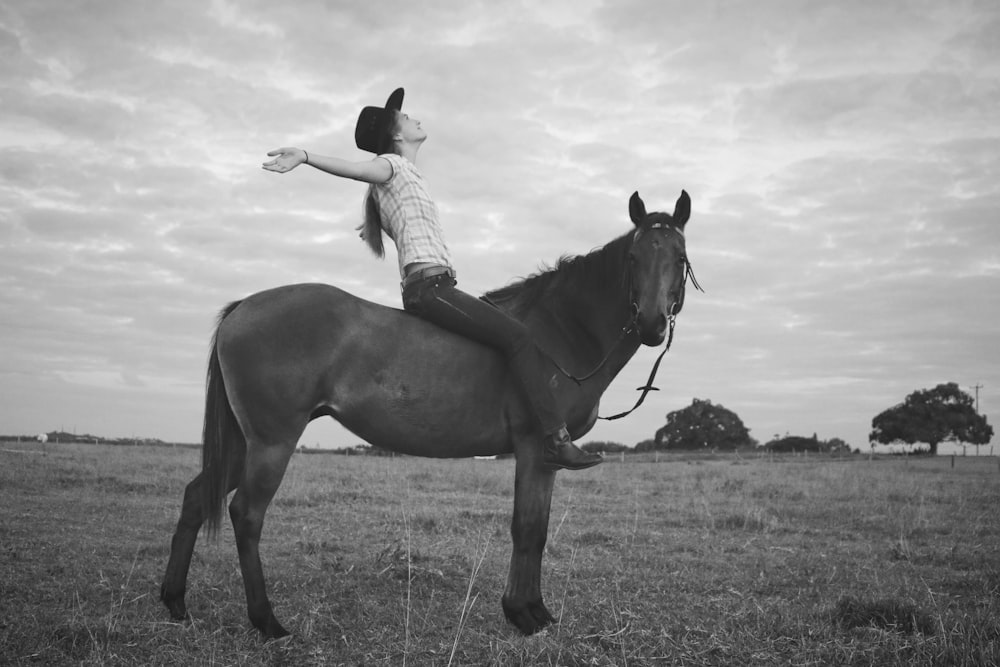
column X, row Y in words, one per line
column 431, row 401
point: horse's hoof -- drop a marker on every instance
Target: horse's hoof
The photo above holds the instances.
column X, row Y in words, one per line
column 175, row 604
column 272, row 630
column 529, row 617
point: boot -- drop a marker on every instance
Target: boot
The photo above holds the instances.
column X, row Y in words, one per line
column 560, row 452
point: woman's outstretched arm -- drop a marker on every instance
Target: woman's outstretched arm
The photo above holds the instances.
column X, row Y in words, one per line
column 369, row 171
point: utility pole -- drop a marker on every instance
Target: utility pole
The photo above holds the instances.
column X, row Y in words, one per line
column 976, row 388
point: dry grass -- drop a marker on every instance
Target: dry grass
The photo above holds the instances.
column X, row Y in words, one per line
column 688, row 561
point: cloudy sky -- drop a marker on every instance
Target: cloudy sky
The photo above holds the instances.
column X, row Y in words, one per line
column 843, row 160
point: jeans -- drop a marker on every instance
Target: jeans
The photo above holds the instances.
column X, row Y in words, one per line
column 437, row 300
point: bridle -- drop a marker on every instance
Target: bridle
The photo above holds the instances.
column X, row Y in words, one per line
column 632, row 326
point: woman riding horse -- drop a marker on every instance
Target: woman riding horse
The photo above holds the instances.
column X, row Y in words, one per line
column 398, row 204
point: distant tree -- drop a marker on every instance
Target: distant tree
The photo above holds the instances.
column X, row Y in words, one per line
column 837, row 445
column 702, row 425
column 932, row 416
column 647, row 445
column 796, row 444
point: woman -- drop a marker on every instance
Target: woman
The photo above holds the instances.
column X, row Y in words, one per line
column 398, row 204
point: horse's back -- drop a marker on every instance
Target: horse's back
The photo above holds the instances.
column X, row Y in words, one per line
column 272, row 306
column 320, row 315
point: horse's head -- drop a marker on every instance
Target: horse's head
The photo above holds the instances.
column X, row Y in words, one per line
column 658, row 267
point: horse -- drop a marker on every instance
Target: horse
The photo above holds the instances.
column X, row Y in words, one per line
column 285, row 356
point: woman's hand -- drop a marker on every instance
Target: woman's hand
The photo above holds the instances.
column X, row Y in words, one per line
column 285, row 159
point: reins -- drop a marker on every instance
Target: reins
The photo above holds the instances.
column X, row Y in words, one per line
column 630, row 328
column 648, row 387
column 626, row 330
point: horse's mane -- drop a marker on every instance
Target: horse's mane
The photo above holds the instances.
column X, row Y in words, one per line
column 582, row 273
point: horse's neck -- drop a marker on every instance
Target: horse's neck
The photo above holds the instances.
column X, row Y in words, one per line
column 591, row 328
column 579, row 311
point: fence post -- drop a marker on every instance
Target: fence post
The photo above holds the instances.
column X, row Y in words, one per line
column 953, row 461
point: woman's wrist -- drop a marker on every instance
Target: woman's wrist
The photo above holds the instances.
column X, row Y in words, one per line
column 306, row 161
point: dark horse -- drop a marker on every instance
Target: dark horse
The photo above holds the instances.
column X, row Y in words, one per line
column 285, row 356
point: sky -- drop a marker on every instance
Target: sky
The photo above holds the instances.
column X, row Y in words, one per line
column 843, row 161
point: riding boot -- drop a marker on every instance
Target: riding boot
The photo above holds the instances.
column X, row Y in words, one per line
column 560, row 452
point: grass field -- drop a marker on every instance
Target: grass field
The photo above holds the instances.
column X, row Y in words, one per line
column 377, row 561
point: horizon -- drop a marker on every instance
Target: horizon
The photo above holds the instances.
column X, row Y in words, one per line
column 946, row 448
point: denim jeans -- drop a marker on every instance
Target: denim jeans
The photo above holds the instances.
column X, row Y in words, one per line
column 437, row 300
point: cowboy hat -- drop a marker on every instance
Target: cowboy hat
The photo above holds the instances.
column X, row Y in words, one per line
column 372, row 122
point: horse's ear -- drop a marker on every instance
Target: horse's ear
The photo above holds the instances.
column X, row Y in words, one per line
column 636, row 209
column 682, row 210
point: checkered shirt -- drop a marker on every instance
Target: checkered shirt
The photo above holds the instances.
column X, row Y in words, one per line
column 409, row 215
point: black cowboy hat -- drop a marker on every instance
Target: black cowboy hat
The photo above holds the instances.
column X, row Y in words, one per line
column 373, row 120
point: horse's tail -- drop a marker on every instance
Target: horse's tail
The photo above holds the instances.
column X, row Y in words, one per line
column 223, row 440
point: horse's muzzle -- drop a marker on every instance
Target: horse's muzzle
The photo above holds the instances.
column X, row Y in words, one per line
column 652, row 331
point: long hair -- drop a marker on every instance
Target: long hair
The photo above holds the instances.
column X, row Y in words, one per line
column 371, row 228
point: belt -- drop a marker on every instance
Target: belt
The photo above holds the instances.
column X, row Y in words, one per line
column 424, row 274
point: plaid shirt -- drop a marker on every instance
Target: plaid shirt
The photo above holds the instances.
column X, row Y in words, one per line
column 409, row 216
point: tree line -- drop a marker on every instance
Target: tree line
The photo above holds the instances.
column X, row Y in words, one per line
column 926, row 416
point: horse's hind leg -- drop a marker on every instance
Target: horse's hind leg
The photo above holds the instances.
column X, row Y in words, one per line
column 265, row 466
column 182, row 545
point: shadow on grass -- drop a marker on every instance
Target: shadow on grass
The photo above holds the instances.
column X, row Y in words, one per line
column 888, row 614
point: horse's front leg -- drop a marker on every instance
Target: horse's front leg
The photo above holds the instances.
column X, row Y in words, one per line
column 522, row 599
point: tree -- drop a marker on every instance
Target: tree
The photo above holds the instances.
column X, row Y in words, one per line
column 795, row 444
column 702, row 425
column 932, row 416
column 836, row 445
column 646, row 445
